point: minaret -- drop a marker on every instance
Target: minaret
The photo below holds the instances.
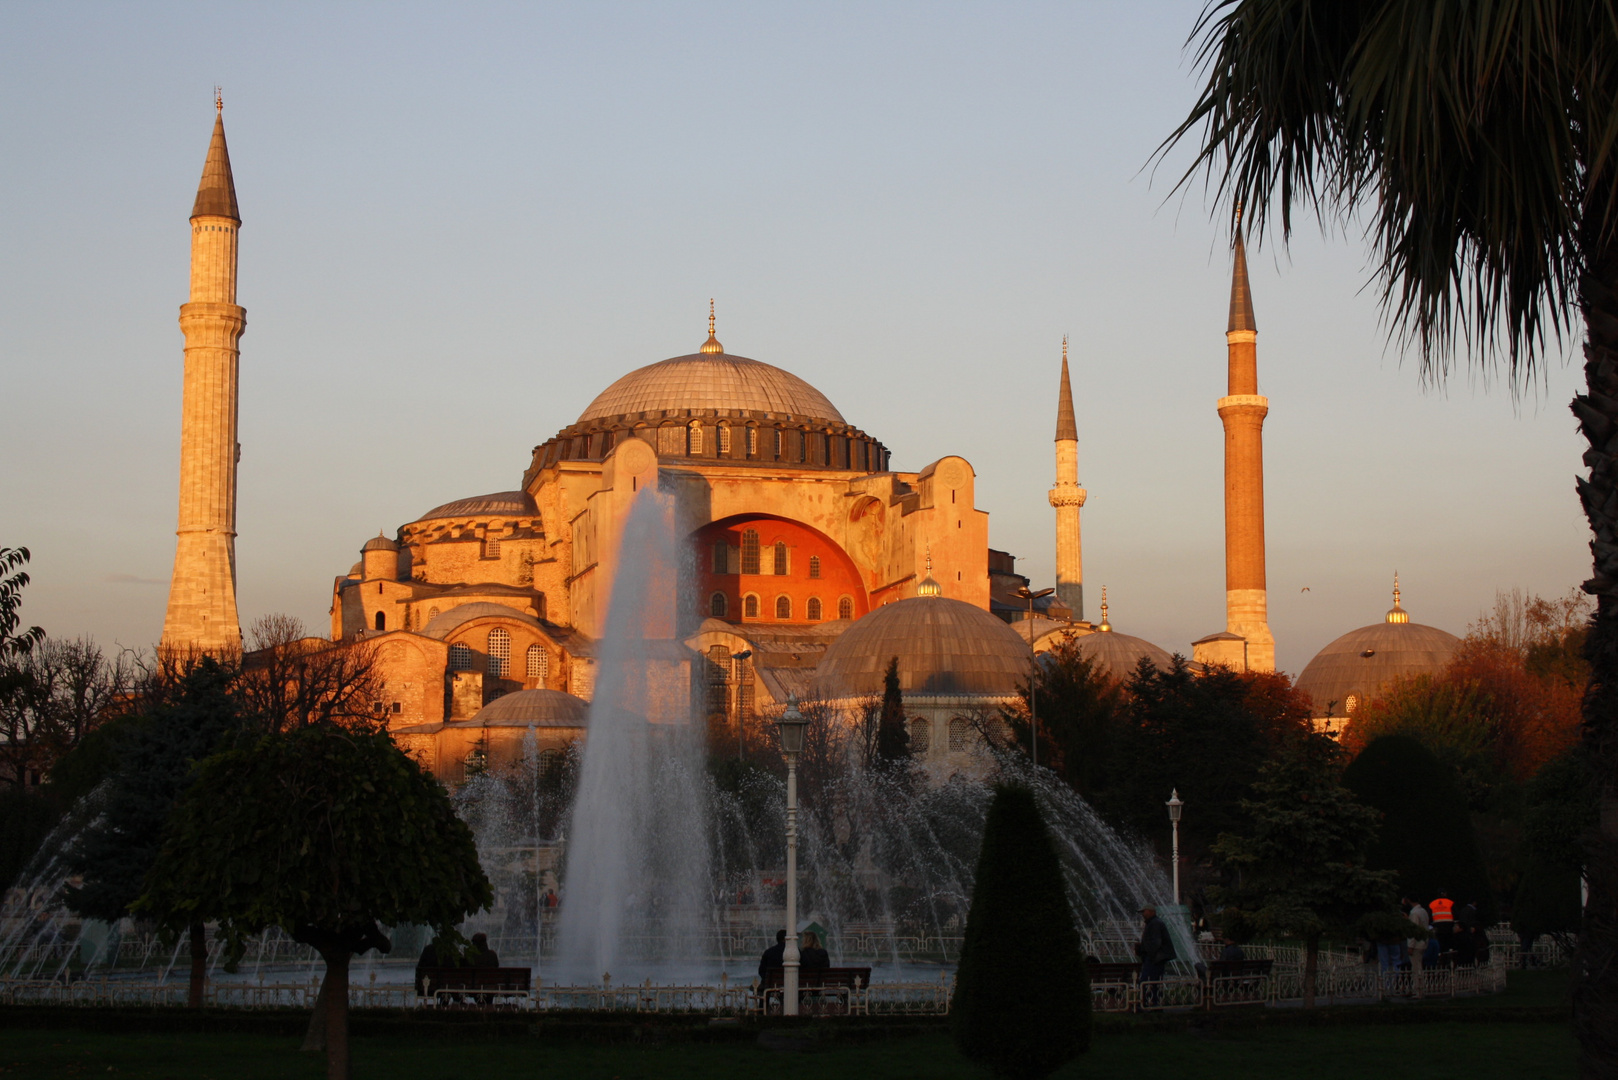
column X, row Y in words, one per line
column 1066, row 497
column 202, row 596
column 1242, row 411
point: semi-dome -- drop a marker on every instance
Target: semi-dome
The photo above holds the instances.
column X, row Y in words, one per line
column 534, row 708
column 711, row 380
column 509, row 503
column 945, row 648
column 1361, row 662
column 440, row 625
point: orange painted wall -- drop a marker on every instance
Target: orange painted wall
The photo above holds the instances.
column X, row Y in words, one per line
column 838, row 575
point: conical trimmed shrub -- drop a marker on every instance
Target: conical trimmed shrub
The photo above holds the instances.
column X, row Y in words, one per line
column 1022, row 993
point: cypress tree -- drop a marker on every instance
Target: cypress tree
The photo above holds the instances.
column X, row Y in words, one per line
column 1022, row 993
column 892, row 734
column 1426, row 836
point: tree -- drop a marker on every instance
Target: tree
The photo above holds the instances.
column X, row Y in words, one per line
column 1301, row 868
column 1079, row 716
column 1426, row 835
column 62, row 691
column 1556, row 830
column 1480, row 139
column 13, row 579
column 1022, row 992
column 325, row 833
column 892, row 729
column 188, row 709
column 290, row 680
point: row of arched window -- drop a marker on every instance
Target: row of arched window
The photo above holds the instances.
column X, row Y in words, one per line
column 498, row 654
column 921, row 735
column 814, row 610
column 752, row 557
column 797, row 446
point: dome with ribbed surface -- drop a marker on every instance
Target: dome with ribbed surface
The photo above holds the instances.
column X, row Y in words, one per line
column 711, row 381
column 1363, row 661
column 380, row 542
column 1118, row 655
column 534, row 708
column 945, row 648
column 509, row 503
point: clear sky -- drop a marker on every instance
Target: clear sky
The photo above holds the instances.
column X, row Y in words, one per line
column 462, row 221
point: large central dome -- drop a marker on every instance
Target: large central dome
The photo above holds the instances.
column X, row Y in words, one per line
column 711, row 380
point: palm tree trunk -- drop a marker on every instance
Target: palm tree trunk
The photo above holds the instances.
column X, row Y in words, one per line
column 1595, row 990
column 199, row 965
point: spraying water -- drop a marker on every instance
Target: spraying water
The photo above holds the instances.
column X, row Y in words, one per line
column 636, row 880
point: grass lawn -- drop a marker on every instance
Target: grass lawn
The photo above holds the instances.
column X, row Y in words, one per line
column 1419, row 1051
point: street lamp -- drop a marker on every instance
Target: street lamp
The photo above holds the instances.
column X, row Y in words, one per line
column 741, row 708
column 791, row 725
column 1175, row 806
column 1033, row 675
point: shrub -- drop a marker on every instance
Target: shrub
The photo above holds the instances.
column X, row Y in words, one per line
column 1022, row 997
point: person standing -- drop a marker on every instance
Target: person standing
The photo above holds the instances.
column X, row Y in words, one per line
column 1444, row 921
column 1417, row 945
column 1156, row 950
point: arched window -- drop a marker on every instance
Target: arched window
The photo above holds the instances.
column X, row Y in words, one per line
column 460, row 657
column 718, row 606
column 813, row 611
column 723, row 439
column 539, row 662
column 750, row 606
column 550, row 767
column 499, row 652
column 921, row 736
column 781, row 558
column 803, row 447
column 960, row 735
column 814, row 566
column 693, row 439
column 749, row 551
column 845, row 608
column 432, row 613
column 718, row 672
column 752, row 442
column 779, row 442
column 381, row 621
column 783, row 607
column 720, row 548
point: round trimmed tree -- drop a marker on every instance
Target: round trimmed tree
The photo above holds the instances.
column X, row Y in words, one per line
column 325, row 833
column 1022, row 993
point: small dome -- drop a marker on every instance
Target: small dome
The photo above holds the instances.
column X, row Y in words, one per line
column 534, row 708
column 380, row 543
column 1117, row 655
column 509, row 503
column 1360, row 663
column 945, row 648
column 711, row 380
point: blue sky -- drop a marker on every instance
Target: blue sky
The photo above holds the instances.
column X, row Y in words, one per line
column 461, row 222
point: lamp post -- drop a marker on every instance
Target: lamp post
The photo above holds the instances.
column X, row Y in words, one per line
column 1033, row 674
column 791, row 725
column 741, row 710
column 1175, row 806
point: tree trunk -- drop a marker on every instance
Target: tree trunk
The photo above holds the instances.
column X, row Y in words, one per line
column 314, row 1040
column 335, row 991
column 1311, row 967
column 199, row 965
column 1595, row 970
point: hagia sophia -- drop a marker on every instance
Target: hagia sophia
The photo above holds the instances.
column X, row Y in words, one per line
column 813, row 560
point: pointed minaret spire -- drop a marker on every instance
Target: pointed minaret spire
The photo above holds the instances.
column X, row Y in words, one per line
column 202, row 614
column 1246, row 643
column 1067, row 429
column 1241, row 293
column 1066, row 499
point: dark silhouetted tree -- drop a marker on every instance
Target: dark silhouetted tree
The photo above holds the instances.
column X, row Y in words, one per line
column 1022, row 992
column 892, row 731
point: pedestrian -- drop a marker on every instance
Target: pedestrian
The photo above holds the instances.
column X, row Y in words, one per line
column 1444, row 920
column 1156, row 950
column 773, row 957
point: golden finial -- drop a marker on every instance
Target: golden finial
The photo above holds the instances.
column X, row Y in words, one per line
column 1064, row 348
column 1105, row 627
column 712, row 344
column 219, row 99
column 1397, row 614
column 928, row 586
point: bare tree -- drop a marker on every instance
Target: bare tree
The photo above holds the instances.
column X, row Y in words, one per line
column 57, row 694
column 291, row 680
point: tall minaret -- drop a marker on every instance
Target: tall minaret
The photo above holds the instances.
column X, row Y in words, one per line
column 1242, row 411
column 202, row 596
column 1066, row 497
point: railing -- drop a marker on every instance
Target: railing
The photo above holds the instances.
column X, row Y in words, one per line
column 1336, row 982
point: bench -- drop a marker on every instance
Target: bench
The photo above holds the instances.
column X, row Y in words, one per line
column 480, row 986
column 836, row 991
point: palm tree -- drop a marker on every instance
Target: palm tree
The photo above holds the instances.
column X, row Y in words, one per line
column 1477, row 140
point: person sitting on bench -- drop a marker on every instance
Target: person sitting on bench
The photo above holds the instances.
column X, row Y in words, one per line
column 480, row 955
column 810, row 954
column 772, row 958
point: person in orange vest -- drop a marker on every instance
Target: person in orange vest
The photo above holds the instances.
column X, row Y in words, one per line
column 1443, row 909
